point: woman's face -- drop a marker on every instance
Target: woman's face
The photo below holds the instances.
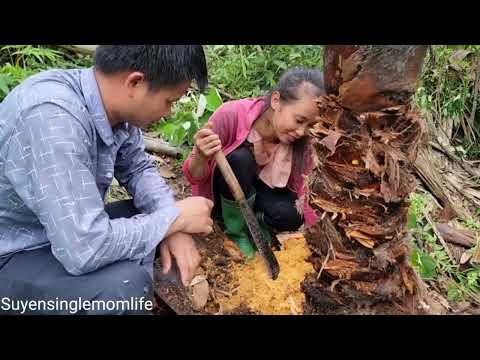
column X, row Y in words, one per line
column 292, row 120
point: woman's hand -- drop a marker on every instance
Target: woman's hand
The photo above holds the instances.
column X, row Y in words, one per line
column 207, row 143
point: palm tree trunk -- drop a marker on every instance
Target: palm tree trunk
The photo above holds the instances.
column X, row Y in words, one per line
column 366, row 141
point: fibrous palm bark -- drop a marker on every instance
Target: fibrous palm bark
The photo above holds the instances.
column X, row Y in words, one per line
column 366, row 141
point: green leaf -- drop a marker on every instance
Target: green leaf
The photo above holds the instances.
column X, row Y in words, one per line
column 294, row 56
column 191, row 133
column 428, row 270
column 167, row 129
column 424, row 263
column 472, row 278
column 454, row 292
column 203, row 120
column 186, row 125
column 214, row 100
column 179, row 136
column 280, row 64
column 412, row 219
column 4, row 80
column 182, row 117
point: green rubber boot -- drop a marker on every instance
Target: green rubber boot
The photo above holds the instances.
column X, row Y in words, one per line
column 235, row 226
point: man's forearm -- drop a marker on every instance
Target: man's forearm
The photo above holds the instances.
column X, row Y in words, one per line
column 177, row 226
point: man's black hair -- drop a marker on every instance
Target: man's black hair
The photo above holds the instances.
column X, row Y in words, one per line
column 163, row 65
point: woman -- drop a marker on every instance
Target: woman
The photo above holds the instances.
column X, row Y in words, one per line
column 265, row 141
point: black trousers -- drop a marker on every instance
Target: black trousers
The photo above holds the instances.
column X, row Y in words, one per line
column 277, row 205
column 31, row 276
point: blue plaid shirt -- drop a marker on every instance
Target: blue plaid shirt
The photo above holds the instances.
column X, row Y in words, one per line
column 58, row 157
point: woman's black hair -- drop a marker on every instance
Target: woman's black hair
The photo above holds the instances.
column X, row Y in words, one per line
column 292, row 80
column 289, row 87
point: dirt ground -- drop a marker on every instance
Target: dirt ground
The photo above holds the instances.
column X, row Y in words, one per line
column 216, row 263
column 236, row 288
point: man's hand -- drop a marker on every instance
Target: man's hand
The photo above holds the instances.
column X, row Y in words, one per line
column 194, row 216
column 181, row 248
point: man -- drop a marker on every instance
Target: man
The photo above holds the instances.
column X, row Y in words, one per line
column 64, row 135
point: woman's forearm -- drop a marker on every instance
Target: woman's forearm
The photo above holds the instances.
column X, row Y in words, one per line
column 198, row 166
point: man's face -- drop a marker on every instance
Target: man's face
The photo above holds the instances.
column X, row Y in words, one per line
column 146, row 106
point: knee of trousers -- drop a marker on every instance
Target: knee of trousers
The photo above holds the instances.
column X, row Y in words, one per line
column 126, row 281
column 284, row 218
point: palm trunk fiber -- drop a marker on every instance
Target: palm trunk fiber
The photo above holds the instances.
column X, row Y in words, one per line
column 366, row 142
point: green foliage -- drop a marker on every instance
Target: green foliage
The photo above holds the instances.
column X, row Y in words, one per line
column 473, row 224
column 430, row 258
column 455, row 292
column 418, row 204
column 194, row 113
column 424, row 263
column 447, row 92
column 30, row 55
column 17, row 62
column 11, row 76
column 253, row 70
column 466, row 286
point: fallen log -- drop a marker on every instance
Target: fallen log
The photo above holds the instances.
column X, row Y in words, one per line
column 448, row 182
column 463, row 237
column 159, row 146
column 428, row 171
